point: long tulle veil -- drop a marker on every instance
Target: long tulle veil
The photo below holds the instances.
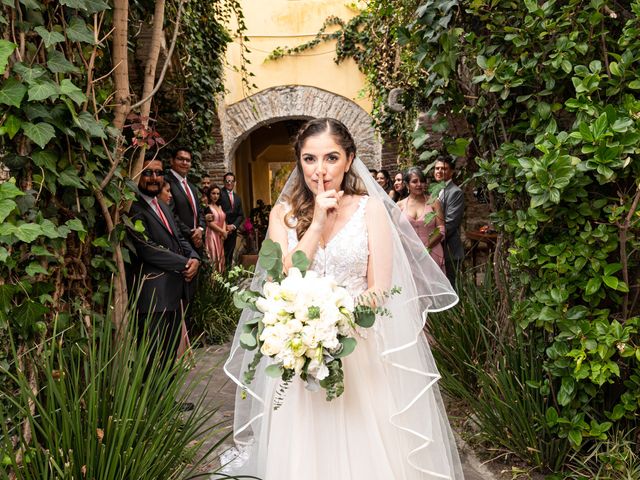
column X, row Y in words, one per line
column 401, row 343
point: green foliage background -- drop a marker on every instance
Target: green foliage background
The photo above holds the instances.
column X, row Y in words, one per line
column 60, row 211
column 549, row 94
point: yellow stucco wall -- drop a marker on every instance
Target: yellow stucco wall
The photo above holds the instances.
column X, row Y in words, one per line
column 288, row 23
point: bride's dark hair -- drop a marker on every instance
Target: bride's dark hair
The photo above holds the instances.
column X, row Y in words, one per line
column 301, row 199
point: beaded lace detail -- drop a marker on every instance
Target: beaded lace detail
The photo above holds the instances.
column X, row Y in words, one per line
column 346, row 255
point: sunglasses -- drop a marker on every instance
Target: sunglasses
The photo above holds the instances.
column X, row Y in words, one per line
column 150, row 173
column 229, row 181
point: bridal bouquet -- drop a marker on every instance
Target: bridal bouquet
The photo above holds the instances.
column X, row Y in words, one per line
column 305, row 323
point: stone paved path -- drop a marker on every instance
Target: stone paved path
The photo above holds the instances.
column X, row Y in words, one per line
column 220, row 392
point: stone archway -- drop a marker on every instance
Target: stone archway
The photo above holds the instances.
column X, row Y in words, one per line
column 297, row 102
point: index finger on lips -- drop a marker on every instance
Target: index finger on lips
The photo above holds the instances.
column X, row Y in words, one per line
column 320, row 182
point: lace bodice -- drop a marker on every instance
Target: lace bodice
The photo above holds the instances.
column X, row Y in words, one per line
column 346, row 256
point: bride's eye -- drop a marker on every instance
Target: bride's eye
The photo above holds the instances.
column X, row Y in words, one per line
column 333, row 158
column 308, row 159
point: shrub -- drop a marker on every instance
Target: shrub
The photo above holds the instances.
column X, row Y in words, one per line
column 213, row 313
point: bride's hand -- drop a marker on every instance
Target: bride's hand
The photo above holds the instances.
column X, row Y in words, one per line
column 326, row 203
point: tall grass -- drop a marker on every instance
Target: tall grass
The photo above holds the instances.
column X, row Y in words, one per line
column 496, row 372
column 106, row 408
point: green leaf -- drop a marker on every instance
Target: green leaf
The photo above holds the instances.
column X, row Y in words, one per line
column 89, row 6
column 6, row 207
column 69, row 177
column 75, row 224
column 611, row 282
column 31, row 4
column 6, row 49
column 348, row 346
column 635, row 84
column 300, row 260
column 42, row 90
column 9, row 190
column 551, row 416
column 90, row 125
column 46, row 159
column 29, row 312
column 575, row 437
column 74, row 93
column 40, row 133
column 12, row 125
column 29, row 74
column 364, row 316
column 419, row 137
column 34, row 268
column 78, row 31
column 28, row 232
column 593, row 285
column 4, row 254
column 274, row 371
column 50, row 38
column 248, row 341
column 12, row 92
column 58, row 63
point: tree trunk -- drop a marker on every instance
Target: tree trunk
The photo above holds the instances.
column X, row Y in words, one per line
column 120, row 61
column 149, row 81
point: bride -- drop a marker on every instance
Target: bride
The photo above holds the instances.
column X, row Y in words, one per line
column 390, row 423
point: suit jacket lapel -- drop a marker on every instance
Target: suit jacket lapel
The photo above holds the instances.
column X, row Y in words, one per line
column 155, row 216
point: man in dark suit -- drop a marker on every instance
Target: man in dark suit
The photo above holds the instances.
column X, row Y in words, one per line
column 164, row 266
column 452, row 201
column 186, row 198
column 232, row 207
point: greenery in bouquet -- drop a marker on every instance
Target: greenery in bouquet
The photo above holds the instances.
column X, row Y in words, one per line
column 304, row 322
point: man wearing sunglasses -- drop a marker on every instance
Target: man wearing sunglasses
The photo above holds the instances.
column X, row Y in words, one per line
column 186, row 199
column 165, row 264
column 232, row 207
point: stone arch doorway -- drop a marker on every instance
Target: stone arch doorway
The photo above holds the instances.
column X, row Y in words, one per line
column 257, row 132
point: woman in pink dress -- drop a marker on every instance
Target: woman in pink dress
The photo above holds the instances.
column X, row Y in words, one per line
column 216, row 229
column 419, row 208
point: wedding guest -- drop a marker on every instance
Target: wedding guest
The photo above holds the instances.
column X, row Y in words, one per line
column 216, row 232
column 185, row 344
column 452, row 200
column 186, row 198
column 164, row 263
column 205, row 182
column 232, row 206
column 418, row 207
column 384, row 180
column 373, row 172
column 399, row 188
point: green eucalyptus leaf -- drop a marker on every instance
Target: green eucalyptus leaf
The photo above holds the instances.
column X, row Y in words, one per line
column 364, row 316
column 274, row 371
column 300, row 260
column 12, row 92
column 248, row 341
column 348, row 346
column 40, row 133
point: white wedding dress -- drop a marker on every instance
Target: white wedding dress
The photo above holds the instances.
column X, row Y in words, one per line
column 389, row 424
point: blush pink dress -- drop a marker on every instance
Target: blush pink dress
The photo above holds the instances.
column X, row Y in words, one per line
column 424, row 231
column 213, row 241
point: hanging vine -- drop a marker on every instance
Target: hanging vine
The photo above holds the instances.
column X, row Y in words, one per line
column 373, row 40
